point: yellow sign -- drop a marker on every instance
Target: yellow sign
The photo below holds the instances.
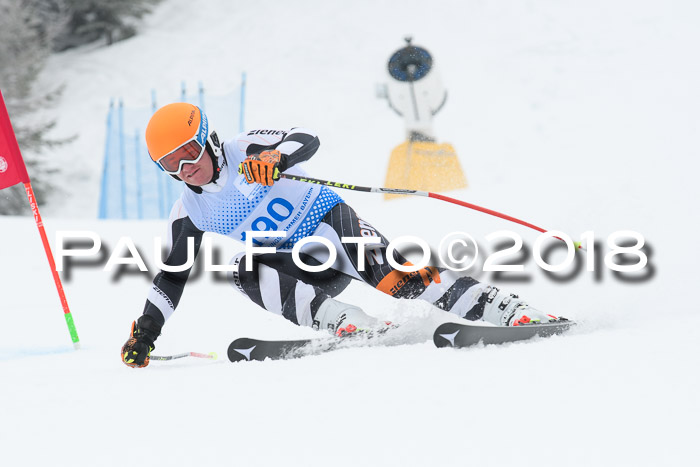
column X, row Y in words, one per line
column 424, row 166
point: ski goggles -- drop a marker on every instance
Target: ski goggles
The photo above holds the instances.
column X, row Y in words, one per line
column 189, row 153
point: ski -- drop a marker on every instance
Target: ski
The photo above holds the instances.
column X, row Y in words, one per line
column 465, row 335
column 247, row 349
column 446, row 335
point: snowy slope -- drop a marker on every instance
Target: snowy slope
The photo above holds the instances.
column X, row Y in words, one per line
column 573, row 116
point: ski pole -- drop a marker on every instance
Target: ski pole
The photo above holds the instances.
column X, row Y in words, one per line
column 428, row 194
column 211, row 355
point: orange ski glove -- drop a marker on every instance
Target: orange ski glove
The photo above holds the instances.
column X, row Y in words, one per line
column 263, row 168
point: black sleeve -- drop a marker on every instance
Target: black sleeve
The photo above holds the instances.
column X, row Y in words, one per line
column 168, row 286
column 297, row 145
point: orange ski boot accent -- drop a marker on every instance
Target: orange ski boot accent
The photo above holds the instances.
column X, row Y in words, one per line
column 523, row 320
column 349, row 329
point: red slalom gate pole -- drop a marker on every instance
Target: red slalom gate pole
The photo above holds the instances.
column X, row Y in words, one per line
column 485, row 210
column 427, row 194
column 14, row 171
column 52, row 264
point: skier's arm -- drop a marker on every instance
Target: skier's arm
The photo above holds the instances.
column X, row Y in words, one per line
column 266, row 155
column 167, row 287
column 298, row 145
column 165, row 292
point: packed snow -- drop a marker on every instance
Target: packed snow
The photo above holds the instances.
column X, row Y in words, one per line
column 574, row 116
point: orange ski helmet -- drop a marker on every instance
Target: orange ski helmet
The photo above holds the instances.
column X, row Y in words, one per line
column 178, row 134
column 174, row 126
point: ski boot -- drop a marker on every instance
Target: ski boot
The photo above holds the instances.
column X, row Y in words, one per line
column 345, row 320
column 504, row 309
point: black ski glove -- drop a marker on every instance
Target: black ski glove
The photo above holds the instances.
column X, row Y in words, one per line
column 136, row 351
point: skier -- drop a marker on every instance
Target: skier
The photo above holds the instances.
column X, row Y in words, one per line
column 235, row 187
